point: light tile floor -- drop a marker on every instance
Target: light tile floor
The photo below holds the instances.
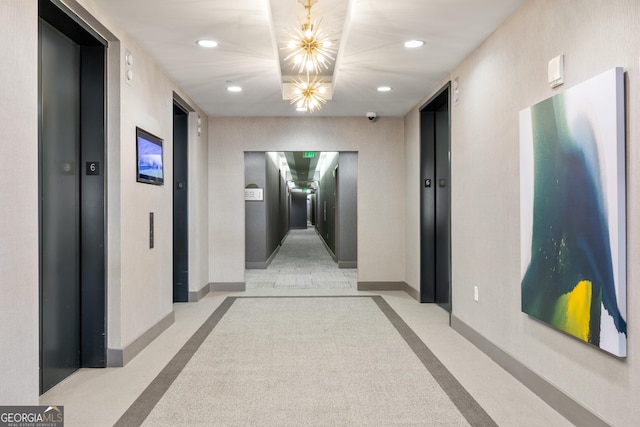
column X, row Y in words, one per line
column 98, row 397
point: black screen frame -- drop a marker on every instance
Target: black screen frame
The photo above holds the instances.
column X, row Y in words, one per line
column 141, row 176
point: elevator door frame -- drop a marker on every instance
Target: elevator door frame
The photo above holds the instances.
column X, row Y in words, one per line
column 435, row 200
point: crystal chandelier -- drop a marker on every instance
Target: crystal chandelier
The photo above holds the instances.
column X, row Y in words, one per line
column 311, row 49
column 309, row 94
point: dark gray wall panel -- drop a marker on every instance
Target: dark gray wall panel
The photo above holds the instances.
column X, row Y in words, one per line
column 283, row 194
column 272, row 206
column 255, row 213
column 314, row 209
column 266, row 222
column 327, row 207
column 347, row 204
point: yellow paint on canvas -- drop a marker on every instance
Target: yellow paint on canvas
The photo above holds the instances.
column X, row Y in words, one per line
column 573, row 311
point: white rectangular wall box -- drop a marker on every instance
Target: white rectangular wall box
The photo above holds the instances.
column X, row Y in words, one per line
column 556, row 71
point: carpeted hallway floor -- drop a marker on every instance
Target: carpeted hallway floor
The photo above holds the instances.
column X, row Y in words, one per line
column 293, row 349
column 302, row 262
column 312, row 361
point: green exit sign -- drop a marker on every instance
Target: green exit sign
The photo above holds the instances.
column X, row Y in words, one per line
column 308, row 154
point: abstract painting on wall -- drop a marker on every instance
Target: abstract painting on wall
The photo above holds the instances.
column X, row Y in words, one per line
column 572, row 209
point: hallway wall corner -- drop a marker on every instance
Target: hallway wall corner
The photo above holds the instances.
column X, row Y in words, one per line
column 228, row 287
column 118, row 357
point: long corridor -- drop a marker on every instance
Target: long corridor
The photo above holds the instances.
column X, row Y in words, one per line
column 302, row 262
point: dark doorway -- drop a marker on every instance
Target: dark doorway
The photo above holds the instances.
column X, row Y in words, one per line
column 180, row 204
column 72, row 196
column 298, row 211
column 435, row 208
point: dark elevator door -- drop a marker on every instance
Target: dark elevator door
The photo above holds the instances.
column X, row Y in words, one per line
column 180, row 205
column 443, row 228
column 60, row 199
column 71, row 129
column 435, row 216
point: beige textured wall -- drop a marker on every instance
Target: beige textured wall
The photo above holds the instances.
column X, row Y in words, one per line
column 380, row 185
column 18, row 203
column 413, row 187
column 198, row 201
column 503, row 76
column 146, row 286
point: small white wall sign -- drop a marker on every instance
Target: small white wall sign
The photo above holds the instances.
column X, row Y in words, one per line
column 254, row 194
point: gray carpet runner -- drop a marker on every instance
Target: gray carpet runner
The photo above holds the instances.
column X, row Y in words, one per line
column 305, row 361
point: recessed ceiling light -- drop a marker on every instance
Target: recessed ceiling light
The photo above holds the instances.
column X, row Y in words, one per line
column 234, row 89
column 384, row 89
column 207, row 43
column 413, row 43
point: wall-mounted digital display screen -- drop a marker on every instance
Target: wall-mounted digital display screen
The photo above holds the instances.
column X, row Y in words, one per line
column 149, row 158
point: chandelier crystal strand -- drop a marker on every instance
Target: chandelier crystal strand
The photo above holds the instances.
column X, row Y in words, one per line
column 311, row 48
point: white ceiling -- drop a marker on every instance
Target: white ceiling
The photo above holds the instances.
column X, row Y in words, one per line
column 250, row 34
